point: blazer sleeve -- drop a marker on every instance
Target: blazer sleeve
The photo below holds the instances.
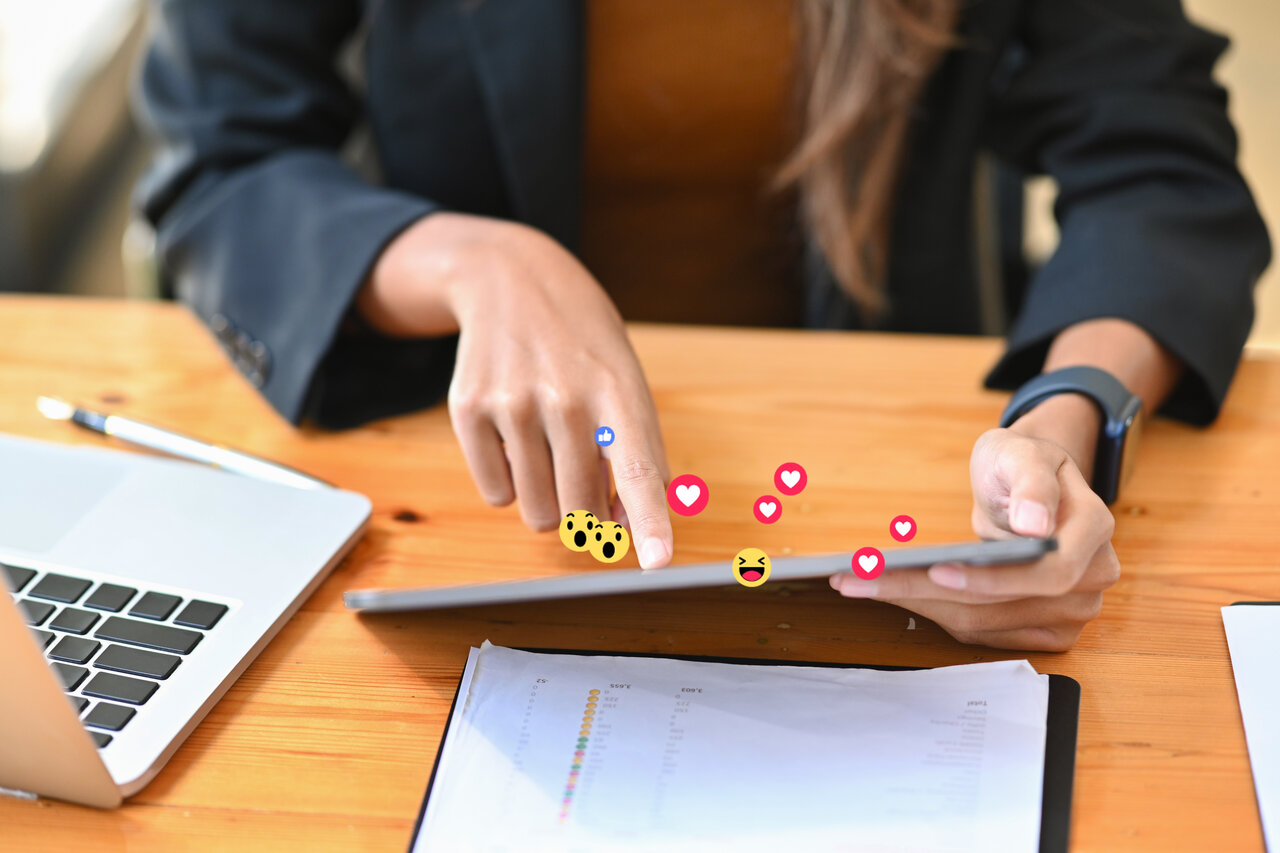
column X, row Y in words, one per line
column 1117, row 102
column 261, row 228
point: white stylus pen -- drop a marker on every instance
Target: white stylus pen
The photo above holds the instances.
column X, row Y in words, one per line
column 176, row 444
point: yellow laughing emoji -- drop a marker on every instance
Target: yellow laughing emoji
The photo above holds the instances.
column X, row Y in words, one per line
column 751, row 567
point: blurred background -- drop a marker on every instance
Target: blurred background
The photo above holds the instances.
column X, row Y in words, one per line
column 70, row 152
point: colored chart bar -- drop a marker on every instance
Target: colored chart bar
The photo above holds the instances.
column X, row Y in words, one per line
column 579, row 752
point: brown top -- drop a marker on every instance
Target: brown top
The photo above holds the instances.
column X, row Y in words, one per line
column 687, row 118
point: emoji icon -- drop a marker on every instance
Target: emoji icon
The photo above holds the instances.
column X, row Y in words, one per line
column 609, row 543
column 575, row 527
column 767, row 509
column 903, row 528
column 687, row 494
column 751, row 567
column 868, row 563
column 790, row 478
column 604, row 436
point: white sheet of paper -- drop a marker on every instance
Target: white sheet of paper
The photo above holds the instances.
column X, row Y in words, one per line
column 1253, row 636
column 683, row 755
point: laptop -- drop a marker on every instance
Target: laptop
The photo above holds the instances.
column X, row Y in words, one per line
column 140, row 589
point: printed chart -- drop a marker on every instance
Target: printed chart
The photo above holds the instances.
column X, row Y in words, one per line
column 574, row 752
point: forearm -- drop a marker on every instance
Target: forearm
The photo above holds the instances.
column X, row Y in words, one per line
column 1117, row 346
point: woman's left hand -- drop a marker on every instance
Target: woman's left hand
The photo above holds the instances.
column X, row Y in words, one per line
column 1022, row 486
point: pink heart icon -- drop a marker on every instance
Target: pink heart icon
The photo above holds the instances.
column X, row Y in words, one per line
column 867, row 563
column 790, row 478
column 687, row 494
column 767, row 509
column 902, row 528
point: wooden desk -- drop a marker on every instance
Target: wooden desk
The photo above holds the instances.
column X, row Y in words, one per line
column 327, row 741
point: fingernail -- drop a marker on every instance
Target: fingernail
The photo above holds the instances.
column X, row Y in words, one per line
column 1030, row 518
column 653, row 553
column 952, row 577
column 859, row 588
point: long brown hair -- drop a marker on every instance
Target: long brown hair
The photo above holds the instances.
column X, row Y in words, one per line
column 864, row 65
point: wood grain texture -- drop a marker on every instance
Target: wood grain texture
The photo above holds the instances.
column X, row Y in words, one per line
column 327, row 741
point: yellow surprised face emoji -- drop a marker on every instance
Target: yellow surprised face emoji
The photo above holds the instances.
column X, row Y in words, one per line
column 609, row 542
column 576, row 528
column 751, row 567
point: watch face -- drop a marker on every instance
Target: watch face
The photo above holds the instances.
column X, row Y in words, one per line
column 1129, row 446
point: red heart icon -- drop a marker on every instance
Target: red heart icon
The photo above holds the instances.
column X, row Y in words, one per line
column 867, row 563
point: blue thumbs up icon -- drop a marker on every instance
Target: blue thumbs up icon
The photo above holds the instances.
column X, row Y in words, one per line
column 604, row 436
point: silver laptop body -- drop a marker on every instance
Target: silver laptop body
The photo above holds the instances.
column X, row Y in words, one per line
column 156, row 525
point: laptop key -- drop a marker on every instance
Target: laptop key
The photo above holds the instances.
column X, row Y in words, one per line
column 71, row 675
column 36, row 611
column 119, row 688
column 100, row 739
column 44, row 638
column 74, row 621
column 79, row 703
column 74, row 649
column 59, row 588
column 108, row 716
column 155, row 605
column 18, row 577
column 163, row 637
column 111, row 597
column 200, row 614
column 137, row 662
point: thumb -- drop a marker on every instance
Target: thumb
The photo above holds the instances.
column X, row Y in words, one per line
column 1034, row 494
column 1026, row 470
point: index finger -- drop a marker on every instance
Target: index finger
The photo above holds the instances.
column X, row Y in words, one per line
column 638, row 474
column 903, row 585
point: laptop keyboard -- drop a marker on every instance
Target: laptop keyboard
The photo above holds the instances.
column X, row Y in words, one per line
column 113, row 646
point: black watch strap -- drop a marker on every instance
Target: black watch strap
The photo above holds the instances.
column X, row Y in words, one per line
column 1093, row 382
column 1119, row 406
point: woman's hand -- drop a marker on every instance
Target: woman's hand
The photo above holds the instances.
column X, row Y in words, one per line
column 1027, row 482
column 543, row 362
column 1022, row 486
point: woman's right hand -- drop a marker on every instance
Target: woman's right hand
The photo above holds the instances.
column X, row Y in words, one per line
column 543, row 362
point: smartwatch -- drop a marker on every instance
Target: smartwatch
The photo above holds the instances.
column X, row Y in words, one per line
column 1121, row 419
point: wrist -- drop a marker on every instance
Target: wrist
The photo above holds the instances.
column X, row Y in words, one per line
column 412, row 289
column 1072, row 421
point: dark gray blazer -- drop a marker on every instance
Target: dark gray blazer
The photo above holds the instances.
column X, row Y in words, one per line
column 476, row 106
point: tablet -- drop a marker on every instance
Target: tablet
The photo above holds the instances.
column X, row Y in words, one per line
column 617, row 581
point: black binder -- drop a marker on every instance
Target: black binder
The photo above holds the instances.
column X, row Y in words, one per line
column 1061, row 723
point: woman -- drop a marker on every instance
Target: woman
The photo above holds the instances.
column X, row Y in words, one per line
column 508, row 130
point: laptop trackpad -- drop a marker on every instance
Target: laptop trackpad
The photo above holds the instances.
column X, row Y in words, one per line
column 42, row 497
